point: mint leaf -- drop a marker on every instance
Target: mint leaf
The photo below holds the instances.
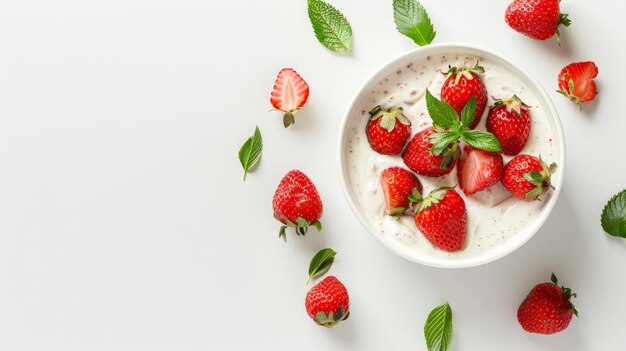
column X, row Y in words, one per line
column 614, row 215
column 481, row 140
column 250, row 151
column 468, row 114
column 438, row 328
column 330, row 26
column 441, row 141
column 413, row 21
column 442, row 114
column 321, row 262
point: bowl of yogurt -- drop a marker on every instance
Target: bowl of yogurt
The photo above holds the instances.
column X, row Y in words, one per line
column 497, row 222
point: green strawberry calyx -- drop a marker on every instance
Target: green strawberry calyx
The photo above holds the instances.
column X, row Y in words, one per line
column 434, row 197
column 387, row 118
column 463, row 72
column 565, row 21
column 541, row 180
column 569, row 93
column 512, row 104
column 301, row 226
column 332, row 318
column 568, row 294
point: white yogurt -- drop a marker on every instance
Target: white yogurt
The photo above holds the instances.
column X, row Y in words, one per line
column 493, row 214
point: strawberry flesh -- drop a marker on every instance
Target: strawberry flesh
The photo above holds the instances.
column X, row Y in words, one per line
column 479, row 170
column 290, row 93
column 398, row 184
column 576, row 81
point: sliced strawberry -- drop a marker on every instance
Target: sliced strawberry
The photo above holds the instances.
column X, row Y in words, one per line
column 290, row 93
column 400, row 187
column 479, row 170
column 576, row 82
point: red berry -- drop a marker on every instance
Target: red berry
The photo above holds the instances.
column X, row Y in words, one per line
column 290, row 93
column 459, row 87
column 527, row 177
column 538, row 19
column 399, row 187
column 328, row 303
column 418, row 157
column 576, row 82
column 509, row 121
column 297, row 203
column 478, row 170
column 387, row 131
column 547, row 309
column 442, row 218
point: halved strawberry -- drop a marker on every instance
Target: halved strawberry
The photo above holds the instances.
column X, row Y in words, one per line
column 290, row 93
column 576, row 82
column 479, row 170
column 400, row 187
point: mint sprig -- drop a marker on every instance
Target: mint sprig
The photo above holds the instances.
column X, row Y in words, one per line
column 449, row 130
column 321, row 262
column 412, row 20
column 614, row 215
column 331, row 27
column 438, row 328
column 250, row 151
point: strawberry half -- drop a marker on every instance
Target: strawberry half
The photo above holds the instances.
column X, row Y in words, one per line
column 442, row 218
column 459, row 87
column 576, row 82
column 538, row 19
column 388, row 130
column 401, row 189
column 297, row 204
column 527, row 177
column 328, row 302
column 479, row 170
column 547, row 309
column 509, row 121
column 290, row 93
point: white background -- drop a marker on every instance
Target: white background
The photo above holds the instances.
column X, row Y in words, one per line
column 125, row 225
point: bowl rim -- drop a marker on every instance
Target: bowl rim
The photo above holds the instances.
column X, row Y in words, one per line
column 510, row 245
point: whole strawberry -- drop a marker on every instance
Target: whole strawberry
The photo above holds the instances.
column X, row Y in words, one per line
column 576, row 82
column 538, row 19
column 297, row 203
column 328, row 303
column 459, row 88
column 290, row 93
column 527, row 177
column 479, row 170
column 399, row 187
column 442, row 218
column 418, row 155
column 547, row 308
column 388, row 130
column 509, row 121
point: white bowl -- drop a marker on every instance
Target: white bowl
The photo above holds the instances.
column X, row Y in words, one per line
column 354, row 116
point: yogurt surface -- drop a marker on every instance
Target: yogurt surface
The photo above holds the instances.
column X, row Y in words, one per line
column 493, row 215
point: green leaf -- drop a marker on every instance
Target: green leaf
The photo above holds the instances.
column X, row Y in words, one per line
column 331, row 26
column 442, row 114
column 438, row 328
column 481, row 140
column 412, row 20
column 468, row 114
column 321, row 262
column 250, row 151
column 441, row 141
column 614, row 215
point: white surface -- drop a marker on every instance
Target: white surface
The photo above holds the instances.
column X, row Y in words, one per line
column 124, row 223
